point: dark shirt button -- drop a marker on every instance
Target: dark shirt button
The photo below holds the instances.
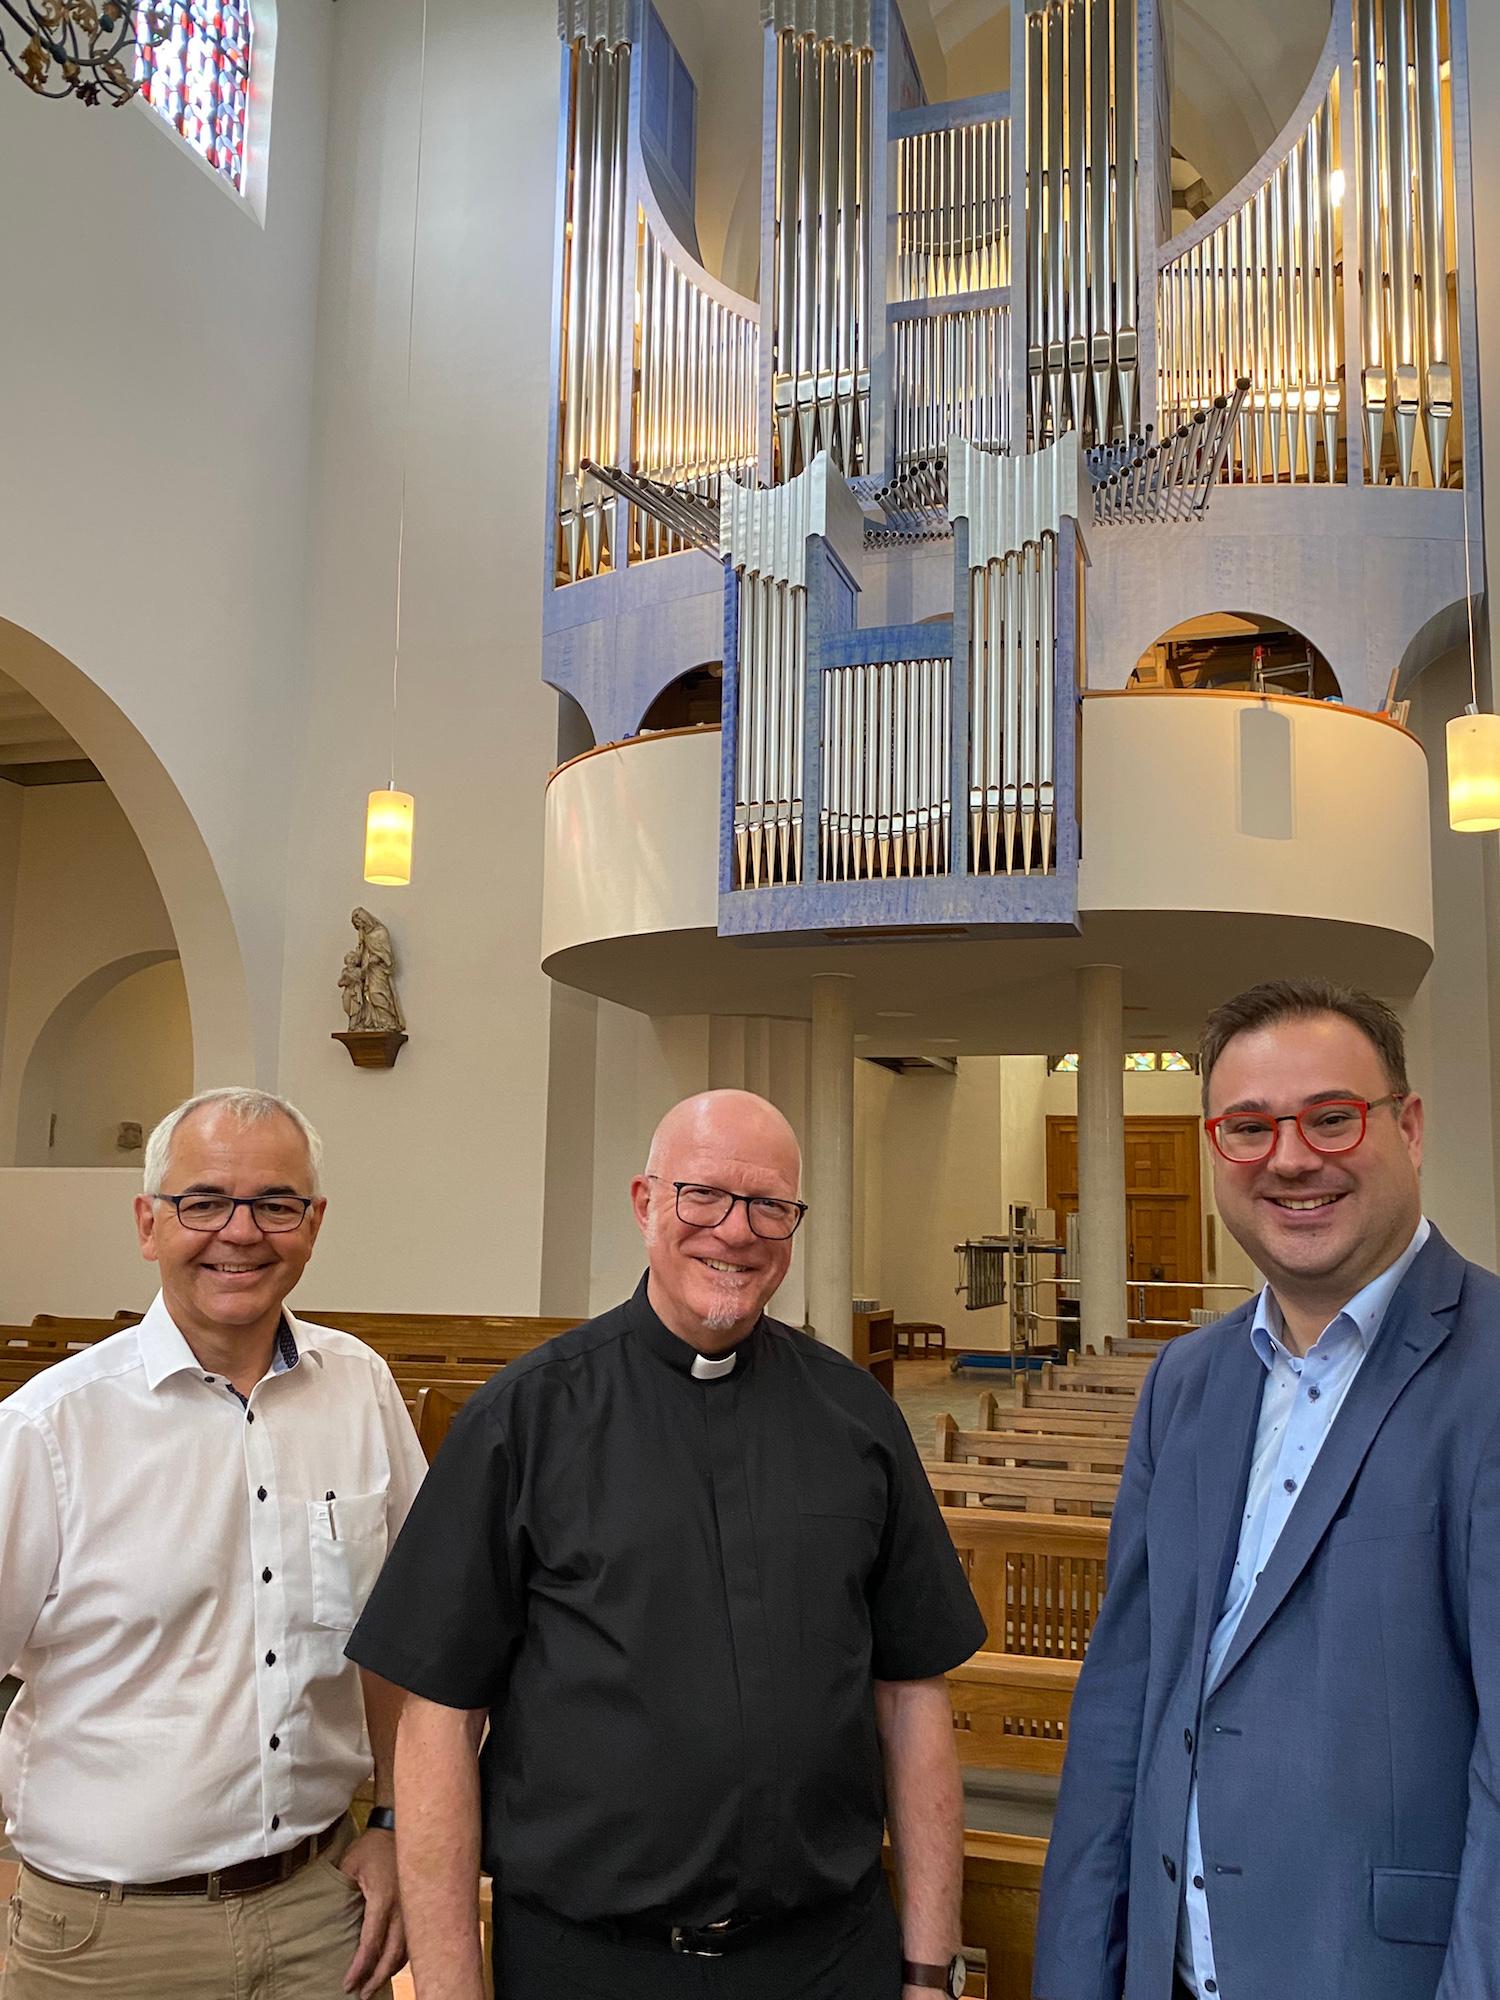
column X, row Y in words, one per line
column 249, row 1416
column 1210, row 1986
column 270, row 1662
column 275, row 1742
column 1290, row 1485
column 1197, row 1881
column 265, row 1576
column 1187, row 1741
column 1313, row 1393
column 260, row 1492
column 209, row 1379
column 275, row 1821
column 1171, row 1867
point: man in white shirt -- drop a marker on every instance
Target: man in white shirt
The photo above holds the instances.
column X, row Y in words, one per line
column 192, row 1513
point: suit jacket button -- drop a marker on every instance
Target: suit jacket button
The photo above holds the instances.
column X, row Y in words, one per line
column 1187, row 1741
column 1171, row 1867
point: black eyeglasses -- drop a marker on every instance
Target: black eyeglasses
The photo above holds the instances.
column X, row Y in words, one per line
column 1332, row 1125
column 274, row 1214
column 706, row 1207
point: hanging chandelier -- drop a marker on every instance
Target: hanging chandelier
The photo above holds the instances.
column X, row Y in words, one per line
column 81, row 48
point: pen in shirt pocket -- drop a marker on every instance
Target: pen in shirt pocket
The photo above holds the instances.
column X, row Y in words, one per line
column 333, row 1527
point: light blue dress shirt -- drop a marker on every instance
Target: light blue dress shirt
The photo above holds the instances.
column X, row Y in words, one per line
column 1301, row 1397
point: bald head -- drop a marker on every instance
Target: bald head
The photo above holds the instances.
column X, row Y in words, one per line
column 710, row 1278
column 736, row 1123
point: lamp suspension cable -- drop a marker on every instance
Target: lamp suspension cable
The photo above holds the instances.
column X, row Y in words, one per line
column 389, row 813
column 1473, row 737
column 411, row 323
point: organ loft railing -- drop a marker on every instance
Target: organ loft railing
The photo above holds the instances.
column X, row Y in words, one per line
column 820, row 253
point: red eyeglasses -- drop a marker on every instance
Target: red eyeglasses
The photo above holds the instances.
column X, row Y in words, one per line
column 1333, row 1125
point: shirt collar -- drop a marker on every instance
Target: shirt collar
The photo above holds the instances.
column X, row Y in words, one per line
column 671, row 1347
column 164, row 1350
column 1363, row 1315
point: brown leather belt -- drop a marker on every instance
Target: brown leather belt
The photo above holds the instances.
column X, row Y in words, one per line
column 240, row 1879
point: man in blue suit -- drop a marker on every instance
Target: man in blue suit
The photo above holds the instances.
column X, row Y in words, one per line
column 1283, row 1772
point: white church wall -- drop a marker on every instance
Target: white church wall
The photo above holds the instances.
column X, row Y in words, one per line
column 69, row 1243
column 153, row 517
column 456, row 1135
column 1450, row 1060
column 12, row 798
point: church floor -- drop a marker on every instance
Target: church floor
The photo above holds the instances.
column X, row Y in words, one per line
column 925, row 1390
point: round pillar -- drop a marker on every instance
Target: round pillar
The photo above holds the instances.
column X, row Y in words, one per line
column 830, row 1163
column 1101, row 1155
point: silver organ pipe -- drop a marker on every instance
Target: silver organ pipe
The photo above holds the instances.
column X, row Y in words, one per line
column 768, row 743
column 953, row 222
column 1405, row 196
column 1082, row 264
column 950, row 376
column 821, row 262
column 1014, row 507
column 593, row 294
column 886, row 797
column 1260, row 297
column 697, row 353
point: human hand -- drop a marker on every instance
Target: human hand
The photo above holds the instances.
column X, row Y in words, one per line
column 371, row 1864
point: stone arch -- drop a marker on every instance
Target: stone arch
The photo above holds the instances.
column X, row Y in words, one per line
column 212, row 962
column 1446, row 631
column 696, row 695
column 1233, row 636
column 38, row 1068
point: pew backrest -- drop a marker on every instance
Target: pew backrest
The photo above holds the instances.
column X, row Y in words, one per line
column 1062, row 1448
column 1038, row 1578
column 1037, row 1489
column 1010, row 1711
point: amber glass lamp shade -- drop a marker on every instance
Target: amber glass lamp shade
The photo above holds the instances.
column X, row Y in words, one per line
column 1474, row 773
column 388, row 820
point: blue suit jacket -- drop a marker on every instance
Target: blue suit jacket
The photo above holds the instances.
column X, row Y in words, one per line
column 1348, row 1756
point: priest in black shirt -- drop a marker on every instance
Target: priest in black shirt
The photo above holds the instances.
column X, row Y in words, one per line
column 685, row 1562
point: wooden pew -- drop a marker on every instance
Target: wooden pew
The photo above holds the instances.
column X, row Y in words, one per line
column 1066, row 1449
column 1010, row 1712
column 20, row 1364
column 1106, row 1373
column 1116, row 1405
column 1038, row 1578
column 1002, row 1882
column 1079, row 1416
column 437, row 1404
column 1034, row 1489
column 452, row 1337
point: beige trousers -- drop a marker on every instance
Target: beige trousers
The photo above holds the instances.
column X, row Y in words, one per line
column 290, row 1942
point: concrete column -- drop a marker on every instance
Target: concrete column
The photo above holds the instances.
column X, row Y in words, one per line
column 1101, row 1154
column 830, row 1163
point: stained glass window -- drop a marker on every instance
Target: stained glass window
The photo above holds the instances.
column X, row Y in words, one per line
column 198, row 79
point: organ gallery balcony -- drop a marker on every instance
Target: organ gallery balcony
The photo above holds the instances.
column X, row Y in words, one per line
column 1224, row 838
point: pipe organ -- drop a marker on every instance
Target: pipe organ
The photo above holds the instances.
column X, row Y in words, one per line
column 953, row 210
column 1082, row 257
column 1408, row 285
column 1261, row 296
column 820, row 262
column 593, row 283
column 996, row 315
column 1014, row 508
column 696, row 364
column 952, row 375
column 886, row 797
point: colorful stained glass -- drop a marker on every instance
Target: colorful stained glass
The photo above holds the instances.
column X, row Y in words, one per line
column 1136, row 1060
column 198, row 79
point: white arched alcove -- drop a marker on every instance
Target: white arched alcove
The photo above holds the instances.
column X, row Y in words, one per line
column 202, row 924
column 117, row 1047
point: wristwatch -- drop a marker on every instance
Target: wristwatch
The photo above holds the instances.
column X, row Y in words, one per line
column 947, row 1978
column 382, row 1819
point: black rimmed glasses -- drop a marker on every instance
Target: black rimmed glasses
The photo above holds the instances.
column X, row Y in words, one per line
column 274, row 1214
column 703, row 1207
column 1332, row 1125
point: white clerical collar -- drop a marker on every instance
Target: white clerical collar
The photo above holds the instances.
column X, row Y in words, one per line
column 706, row 1369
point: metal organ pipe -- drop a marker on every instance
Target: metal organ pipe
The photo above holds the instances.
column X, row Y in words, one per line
column 820, row 309
column 1082, row 342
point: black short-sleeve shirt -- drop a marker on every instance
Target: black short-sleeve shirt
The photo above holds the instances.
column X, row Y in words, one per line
column 673, row 1595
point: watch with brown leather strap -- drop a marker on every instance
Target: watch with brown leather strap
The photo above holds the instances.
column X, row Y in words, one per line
column 947, row 1978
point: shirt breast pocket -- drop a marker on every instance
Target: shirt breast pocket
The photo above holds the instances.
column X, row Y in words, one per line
column 347, row 1544
column 836, row 1555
